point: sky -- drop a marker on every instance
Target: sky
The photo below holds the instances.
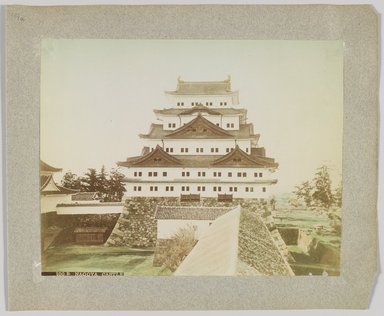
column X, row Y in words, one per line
column 98, row 95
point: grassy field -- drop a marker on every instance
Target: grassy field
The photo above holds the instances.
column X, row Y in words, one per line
column 78, row 258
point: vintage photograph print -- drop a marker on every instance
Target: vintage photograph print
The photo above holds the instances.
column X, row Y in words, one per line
column 191, row 157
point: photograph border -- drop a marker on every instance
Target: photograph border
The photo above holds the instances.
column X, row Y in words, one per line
column 355, row 25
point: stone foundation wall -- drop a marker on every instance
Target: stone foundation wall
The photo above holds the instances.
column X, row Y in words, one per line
column 137, row 227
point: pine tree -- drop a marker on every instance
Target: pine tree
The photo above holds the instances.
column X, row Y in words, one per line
column 322, row 191
column 102, row 183
column 90, row 183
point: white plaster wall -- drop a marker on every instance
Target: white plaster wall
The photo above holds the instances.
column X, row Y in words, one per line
column 97, row 208
column 167, row 228
column 192, row 144
column 231, row 100
column 49, row 202
column 173, row 174
column 255, row 190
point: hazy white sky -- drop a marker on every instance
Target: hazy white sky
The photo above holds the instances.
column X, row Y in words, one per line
column 98, row 95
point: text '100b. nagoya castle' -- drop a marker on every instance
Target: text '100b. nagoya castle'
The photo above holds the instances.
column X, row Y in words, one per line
column 201, row 146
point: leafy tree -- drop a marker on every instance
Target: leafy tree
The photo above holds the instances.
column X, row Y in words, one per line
column 71, row 181
column 322, row 191
column 304, row 193
column 115, row 187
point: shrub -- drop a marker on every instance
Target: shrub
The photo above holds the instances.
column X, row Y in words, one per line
column 178, row 247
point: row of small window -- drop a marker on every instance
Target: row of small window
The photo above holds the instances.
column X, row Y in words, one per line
column 199, row 174
column 229, row 125
column 200, row 150
column 197, row 103
column 150, row 174
column 199, row 189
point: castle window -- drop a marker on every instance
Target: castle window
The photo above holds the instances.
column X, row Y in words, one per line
column 182, row 103
column 150, row 174
column 167, row 150
column 173, row 124
column 138, row 188
column 157, row 159
column 171, row 188
column 199, row 150
column 214, row 189
column 217, row 150
column 217, row 124
column 221, row 103
column 236, row 159
column 219, row 189
column 186, row 188
column 251, row 189
column 155, row 188
column 230, row 189
column 235, row 189
column 182, row 150
column 202, row 188
column 198, row 188
column 166, row 188
column 193, row 103
column 225, row 103
column 134, row 188
column 185, row 173
column 210, row 103
column 150, row 188
column 244, row 174
column 227, row 150
column 155, row 174
column 164, row 174
column 264, row 189
column 260, row 174
column 228, row 125
column 135, row 174
column 212, row 150
column 229, row 174
column 246, row 189
column 182, row 188
column 239, row 174
column 246, row 149
column 232, row 125
column 171, row 150
column 169, row 125
column 256, row 174
column 206, row 103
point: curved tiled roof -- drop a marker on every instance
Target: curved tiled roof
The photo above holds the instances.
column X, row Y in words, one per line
column 244, row 132
column 47, row 168
column 203, row 87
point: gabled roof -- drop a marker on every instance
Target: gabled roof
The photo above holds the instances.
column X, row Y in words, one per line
column 202, row 87
column 44, row 167
column 85, row 196
column 244, row 132
column 157, row 157
column 190, row 213
column 200, row 108
column 199, row 127
column 239, row 158
column 48, row 186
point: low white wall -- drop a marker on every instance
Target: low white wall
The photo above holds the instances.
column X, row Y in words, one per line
column 96, row 208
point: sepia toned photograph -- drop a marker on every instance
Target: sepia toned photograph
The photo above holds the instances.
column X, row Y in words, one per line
column 191, row 157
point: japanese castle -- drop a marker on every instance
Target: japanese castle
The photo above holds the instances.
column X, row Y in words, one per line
column 200, row 146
